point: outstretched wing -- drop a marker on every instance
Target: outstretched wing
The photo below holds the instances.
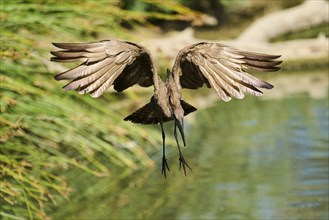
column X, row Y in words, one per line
column 104, row 64
column 222, row 68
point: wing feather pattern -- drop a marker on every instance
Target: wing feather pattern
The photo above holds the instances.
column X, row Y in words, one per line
column 223, row 68
column 105, row 63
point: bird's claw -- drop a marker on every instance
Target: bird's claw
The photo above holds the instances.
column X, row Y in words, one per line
column 183, row 163
column 165, row 167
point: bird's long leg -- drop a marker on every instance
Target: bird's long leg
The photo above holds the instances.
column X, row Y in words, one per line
column 164, row 160
column 182, row 162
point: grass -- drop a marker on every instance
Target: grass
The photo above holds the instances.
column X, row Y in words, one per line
column 46, row 131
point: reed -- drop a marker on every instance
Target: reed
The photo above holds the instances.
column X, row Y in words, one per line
column 46, row 131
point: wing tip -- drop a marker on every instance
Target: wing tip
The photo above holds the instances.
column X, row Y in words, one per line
column 276, row 57
column 54, row 59
column 58, row 77
column 268, row 86
column 58, row 45
column 95, row 95
column 226, row 99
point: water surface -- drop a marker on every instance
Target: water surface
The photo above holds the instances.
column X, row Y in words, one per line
column 251, row 159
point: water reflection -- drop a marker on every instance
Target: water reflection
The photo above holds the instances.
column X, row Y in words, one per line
column 251, row 159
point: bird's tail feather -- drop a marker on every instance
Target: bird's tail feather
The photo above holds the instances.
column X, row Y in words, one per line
column 148, row 115
column 187, row 107
column 143, row 115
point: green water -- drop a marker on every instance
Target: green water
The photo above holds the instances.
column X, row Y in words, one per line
column 251, row 159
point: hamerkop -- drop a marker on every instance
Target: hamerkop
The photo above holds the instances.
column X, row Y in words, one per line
column 123, row 64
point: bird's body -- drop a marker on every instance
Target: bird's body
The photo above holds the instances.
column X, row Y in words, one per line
column 123, row 64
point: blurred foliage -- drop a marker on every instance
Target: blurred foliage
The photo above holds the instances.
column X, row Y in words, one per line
column 237, row 14
column 234, row 15
column 45, row 131
column 312, row 32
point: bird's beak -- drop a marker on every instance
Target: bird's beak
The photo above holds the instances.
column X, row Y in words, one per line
column 180, row 125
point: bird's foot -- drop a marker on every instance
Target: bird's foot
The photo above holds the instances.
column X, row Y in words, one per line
column 183, row 163
column 165, row 167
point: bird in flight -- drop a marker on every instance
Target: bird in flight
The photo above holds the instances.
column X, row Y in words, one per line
column 123, row 64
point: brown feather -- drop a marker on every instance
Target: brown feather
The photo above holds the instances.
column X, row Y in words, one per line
column 106, row 63
column 144, row 115
column 223, row 68
column 187, row 107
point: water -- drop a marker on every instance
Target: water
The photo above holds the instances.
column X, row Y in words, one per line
column 251, row 159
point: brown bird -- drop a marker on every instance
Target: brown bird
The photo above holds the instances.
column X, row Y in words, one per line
column 123, row 64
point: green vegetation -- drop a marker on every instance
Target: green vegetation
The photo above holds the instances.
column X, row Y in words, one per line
column 304, row 34
column 45, row 131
